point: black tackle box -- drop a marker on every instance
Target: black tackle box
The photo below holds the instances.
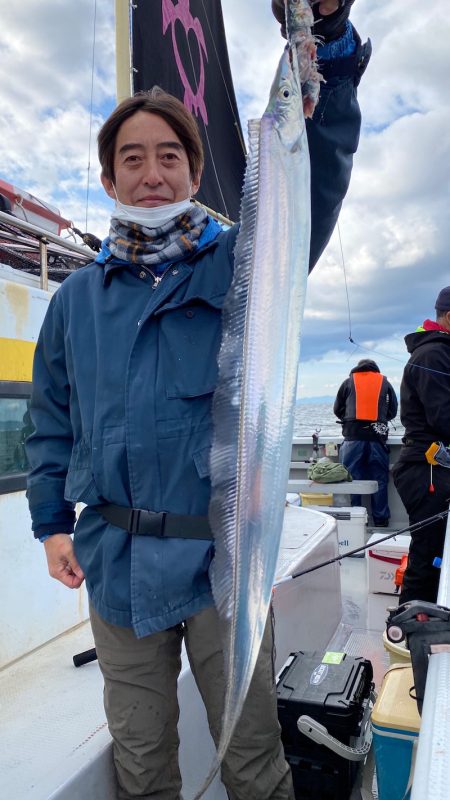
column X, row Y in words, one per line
column 333, row 689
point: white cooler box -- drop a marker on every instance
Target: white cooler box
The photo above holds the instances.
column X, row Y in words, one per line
column 351, row 525
column 383, row 560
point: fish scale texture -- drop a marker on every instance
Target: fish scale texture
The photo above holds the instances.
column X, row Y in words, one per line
column 254, row 401
column 227, row 500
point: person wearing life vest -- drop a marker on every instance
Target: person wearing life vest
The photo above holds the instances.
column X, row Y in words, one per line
column 364, row 405
column 421, row 474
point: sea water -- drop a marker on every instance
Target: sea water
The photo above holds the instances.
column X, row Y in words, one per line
column 312, row 417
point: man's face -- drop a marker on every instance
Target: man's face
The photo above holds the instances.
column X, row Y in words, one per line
column 151, row 166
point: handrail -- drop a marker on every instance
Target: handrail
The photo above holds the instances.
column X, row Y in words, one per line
column 43, row 238
column 214, row 214
column 41, row 233
column 433, row 754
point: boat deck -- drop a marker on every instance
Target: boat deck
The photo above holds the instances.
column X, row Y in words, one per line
column 364, row 618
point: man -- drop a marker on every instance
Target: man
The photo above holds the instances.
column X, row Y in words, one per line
column 365, row 403
column 124, row 374
column 425, row 414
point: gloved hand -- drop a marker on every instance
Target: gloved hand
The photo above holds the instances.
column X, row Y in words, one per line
column 330, row 17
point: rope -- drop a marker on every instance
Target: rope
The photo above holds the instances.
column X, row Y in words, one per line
column 372, row 350
column 236, row 119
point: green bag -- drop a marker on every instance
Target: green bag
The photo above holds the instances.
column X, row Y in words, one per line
column 326, row 471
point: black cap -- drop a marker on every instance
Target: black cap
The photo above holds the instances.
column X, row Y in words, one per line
column 443, row 300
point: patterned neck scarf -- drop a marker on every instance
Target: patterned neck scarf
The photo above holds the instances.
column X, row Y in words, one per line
column 137, row 244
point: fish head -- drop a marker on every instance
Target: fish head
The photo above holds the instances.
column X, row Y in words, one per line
column 285, row 107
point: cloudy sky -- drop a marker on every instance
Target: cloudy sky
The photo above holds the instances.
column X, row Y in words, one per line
column 394, row 226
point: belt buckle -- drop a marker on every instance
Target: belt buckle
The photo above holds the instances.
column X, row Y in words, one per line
column 155, row 520
column 134, row 519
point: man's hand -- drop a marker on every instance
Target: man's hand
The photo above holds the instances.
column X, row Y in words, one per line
column 327, row 27
column 61, row 560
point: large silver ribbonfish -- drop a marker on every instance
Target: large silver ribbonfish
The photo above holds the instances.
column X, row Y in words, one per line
column 258, row 362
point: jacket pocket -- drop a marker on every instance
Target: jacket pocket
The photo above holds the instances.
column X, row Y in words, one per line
column 80, row 485
column 190, row 339
column 201, row 461
column 110, row 464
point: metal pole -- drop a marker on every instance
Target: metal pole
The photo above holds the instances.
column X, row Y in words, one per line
column 43, row 275
column 123, row 52
column 215, row 214
column 433, row 754
column 443, row 598
column 9, row 220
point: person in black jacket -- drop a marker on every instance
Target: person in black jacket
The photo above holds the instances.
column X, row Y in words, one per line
column 425, row 415
column 333, row 130
column 364, row 404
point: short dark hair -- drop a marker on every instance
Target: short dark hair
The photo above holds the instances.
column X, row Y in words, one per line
column 155, row 101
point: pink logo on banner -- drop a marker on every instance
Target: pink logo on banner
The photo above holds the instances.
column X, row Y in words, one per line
column 194, row 101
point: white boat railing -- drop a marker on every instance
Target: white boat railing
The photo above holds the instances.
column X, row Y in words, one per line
column 40, row 238
column 433, row 754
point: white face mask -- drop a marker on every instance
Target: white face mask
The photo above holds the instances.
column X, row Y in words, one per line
column 149, row 217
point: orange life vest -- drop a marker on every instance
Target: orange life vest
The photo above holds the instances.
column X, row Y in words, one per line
column 368, row 387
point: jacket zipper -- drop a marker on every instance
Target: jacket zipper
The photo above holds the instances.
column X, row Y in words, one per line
column 157, row 278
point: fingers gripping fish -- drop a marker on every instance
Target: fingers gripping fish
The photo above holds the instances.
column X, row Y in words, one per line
column 258, row 361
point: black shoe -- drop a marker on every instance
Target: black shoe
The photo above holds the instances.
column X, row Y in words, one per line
column 382, row 523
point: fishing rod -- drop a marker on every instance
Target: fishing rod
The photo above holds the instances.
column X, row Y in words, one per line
column 91, row 655
column 415, row 527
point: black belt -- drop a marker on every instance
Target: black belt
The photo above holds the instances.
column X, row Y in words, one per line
column 156, row 523
column 425, row 443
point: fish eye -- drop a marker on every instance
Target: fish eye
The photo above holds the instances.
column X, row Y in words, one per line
column 286, row 93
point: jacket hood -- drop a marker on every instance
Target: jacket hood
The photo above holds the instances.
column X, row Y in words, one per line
column 365, row 365
column 419, row 338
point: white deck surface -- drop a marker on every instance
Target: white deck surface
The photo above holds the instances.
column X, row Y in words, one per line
column 52, row 719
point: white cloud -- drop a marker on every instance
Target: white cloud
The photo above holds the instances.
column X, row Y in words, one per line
column 324, row 375
column 394, row 223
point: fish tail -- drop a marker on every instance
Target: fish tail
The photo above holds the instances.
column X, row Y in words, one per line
column 300, row 20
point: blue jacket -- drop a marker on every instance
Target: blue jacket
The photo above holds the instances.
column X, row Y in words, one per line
column 122, row 386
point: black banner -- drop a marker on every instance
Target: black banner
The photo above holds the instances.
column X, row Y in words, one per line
column 180, row 45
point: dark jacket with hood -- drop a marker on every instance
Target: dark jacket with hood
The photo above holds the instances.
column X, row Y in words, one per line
column 425, row 393
column 365, row 403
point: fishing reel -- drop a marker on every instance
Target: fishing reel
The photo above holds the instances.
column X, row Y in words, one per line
column 315, row 447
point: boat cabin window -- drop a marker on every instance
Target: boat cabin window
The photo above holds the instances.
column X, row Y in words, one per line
column 15, row 426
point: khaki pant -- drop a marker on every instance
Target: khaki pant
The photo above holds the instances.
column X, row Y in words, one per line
column 141, row 706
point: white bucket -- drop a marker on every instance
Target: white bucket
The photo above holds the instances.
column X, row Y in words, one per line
column 398, row 653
